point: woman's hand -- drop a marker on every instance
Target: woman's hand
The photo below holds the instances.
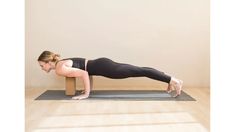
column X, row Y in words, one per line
column 83, row 96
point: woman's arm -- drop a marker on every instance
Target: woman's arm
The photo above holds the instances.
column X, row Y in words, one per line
column 74, row 72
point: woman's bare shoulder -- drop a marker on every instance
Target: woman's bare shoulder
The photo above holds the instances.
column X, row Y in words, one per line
column 62, row 64
column 67, row 63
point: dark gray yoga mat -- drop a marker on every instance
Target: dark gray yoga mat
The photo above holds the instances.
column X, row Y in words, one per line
column 141, row 95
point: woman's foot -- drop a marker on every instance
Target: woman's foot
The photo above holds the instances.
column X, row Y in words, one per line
column 177, row 85
column 169, row 88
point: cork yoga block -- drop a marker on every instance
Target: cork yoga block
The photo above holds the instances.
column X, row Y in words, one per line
column 70, row 85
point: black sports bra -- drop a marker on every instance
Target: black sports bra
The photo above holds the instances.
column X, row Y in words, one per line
column 78, row 62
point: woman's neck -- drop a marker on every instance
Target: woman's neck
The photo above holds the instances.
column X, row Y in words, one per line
column 53, row 65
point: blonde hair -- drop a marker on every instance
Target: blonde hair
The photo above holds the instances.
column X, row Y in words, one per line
column 48, row 56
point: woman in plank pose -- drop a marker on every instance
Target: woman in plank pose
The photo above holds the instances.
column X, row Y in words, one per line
column 82, row 68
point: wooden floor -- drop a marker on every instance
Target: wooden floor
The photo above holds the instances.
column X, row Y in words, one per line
column 118, row 116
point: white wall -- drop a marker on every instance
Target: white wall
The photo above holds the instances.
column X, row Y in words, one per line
column 169, row 35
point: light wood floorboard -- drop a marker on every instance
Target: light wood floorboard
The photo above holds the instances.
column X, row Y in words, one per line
column 108, row 115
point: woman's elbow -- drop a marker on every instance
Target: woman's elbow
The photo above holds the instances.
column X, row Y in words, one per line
column 85, row 75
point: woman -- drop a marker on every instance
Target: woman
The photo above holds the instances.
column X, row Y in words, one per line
column 82, row 68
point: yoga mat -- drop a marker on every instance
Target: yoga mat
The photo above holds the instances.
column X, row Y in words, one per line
column 135, row 95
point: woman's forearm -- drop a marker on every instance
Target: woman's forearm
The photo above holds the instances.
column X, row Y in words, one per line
column 86, row 82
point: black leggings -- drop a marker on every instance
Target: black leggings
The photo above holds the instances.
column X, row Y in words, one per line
column 108, row 68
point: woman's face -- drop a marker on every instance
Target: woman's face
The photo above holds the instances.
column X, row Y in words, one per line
column 45, row 66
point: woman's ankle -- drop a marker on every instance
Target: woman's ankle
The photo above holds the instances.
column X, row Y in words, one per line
column 173, row 81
